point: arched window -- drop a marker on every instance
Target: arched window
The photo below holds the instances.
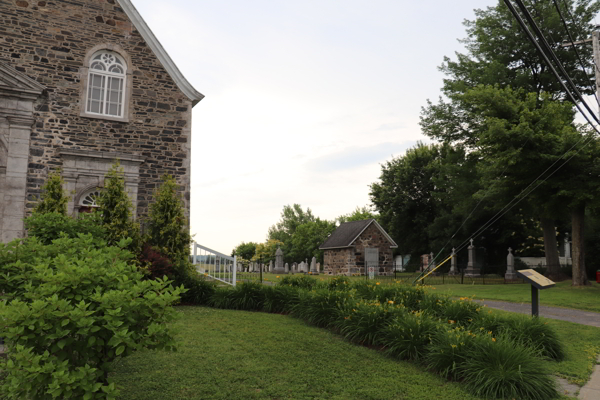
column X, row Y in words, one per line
column 87, row 200
column 106, row 84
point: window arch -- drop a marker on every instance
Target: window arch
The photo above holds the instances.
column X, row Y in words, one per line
column 106, row 84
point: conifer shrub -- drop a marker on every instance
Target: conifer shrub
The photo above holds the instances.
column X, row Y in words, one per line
column 116, row 210
column 53, row 198
column 73, row 307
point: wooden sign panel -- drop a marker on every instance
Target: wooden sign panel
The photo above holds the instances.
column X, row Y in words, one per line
column 536, row 279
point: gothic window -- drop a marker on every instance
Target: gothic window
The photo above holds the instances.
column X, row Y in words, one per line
column 106, row 84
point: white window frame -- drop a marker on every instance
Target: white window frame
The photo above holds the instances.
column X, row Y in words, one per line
column 107, row 60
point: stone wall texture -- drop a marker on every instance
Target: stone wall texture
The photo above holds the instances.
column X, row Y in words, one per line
column 348, row 261
column 48, row 41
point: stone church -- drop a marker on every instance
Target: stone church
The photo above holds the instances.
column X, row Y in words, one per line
column 82, row 84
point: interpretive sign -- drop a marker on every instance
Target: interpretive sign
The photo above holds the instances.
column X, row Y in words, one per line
column 537, row 281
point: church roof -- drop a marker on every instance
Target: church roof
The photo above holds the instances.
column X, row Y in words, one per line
column 348, row 232
column 160, row 52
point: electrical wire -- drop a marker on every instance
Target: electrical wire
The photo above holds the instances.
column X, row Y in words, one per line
column 560, row 15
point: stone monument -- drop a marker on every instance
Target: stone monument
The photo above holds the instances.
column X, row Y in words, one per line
column 279, row 262
column 510, row 266
column 286, row 268
column 453, row 260
column 271, row 266
column 472, row 269
column 313, row 266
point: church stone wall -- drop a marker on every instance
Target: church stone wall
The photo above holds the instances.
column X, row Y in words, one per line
column 48, row 41
column 348, row 261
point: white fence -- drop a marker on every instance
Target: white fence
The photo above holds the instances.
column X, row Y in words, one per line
column 214, row 264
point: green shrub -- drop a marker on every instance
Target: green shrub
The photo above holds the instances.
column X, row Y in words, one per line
column 199, row 290
column 322, row 307
column 220, row 298
column 462, row 311
column 247, row 296
column 447, row 350
column 339, row 282
column 502, row 368
column 408, row 337
column 48, row 226
column 279, row 298
column 366, row 321
column 535, row 333
column 301, row 281
column 72, row 309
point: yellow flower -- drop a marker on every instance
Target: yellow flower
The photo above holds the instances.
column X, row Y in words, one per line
column 450, row 321
column 493, row 339
column 277, row 276
column 489, row 332
column 453, row 346
column 390, row 302
column 377, row 283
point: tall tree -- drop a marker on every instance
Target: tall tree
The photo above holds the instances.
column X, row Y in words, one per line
column 403, row 197
column 308, row 237
column 245, row 250
column 499, row 54
column 359, row 214
column 291, row 218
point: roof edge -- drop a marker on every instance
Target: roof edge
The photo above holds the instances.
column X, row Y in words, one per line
column 388, row 237
column 183, row 84
column 336, row 247
column 32, row 86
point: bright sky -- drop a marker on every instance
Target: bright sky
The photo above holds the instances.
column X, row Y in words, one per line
column 304, row 100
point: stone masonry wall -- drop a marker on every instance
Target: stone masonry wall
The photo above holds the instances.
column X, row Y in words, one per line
column 48, row 40
column 351, row 260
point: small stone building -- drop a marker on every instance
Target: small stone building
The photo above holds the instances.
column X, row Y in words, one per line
column 82, row 84
column 356, row 245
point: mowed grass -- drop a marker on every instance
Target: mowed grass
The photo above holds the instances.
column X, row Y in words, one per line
column 562, row 295
column 225, row 354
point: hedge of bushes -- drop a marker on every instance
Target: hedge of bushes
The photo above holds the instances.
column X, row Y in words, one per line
column 495, row 356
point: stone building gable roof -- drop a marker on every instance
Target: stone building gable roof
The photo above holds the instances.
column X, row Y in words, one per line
column 160, row 52
column 12, row 80
column 348, row 232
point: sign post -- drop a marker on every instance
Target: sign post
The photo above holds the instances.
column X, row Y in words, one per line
column 537, row 281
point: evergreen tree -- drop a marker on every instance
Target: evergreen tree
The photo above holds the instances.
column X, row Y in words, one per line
column 167, row 227
column 53, row 197
column 116, row 210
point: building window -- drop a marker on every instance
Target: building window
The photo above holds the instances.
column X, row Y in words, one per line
column 106, row 84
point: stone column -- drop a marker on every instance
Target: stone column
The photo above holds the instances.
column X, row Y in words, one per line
column 313, row 266
column 15, row 181
column 472, row 269
column 510, row 266
column 279, row 261
column 453, row 261
column 567, row 248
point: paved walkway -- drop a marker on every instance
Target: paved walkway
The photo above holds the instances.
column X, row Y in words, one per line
column 566, row 314
column 591, row 390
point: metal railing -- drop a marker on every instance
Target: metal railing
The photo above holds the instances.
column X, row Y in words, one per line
column 215, row 265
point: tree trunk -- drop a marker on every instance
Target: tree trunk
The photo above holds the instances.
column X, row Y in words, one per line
column 551, row 249
column 577, row 226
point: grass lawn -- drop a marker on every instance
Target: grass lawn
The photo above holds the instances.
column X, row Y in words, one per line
column 562, row 295
column 225, row 354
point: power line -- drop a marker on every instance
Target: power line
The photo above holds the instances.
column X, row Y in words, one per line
column 573, row 40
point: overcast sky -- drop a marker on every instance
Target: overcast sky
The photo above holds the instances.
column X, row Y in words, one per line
column 304, row 100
